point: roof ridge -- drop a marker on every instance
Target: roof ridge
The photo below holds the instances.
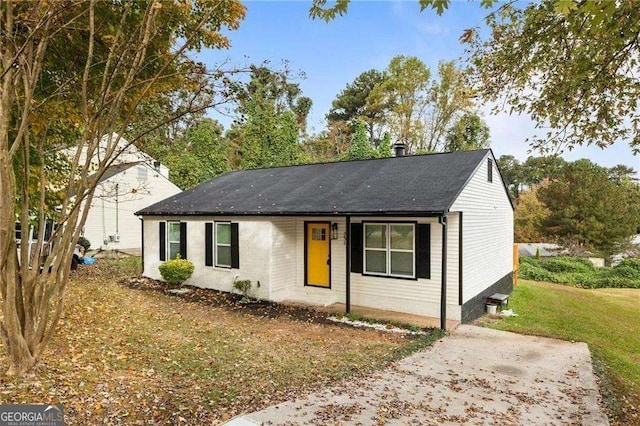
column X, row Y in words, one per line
column 429, row 154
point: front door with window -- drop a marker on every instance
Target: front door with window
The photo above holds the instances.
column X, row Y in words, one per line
column 318, row 254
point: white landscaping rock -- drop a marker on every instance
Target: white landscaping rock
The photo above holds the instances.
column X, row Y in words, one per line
column 375, row 326
column 179, row 291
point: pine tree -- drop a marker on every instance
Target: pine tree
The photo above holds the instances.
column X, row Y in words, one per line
column 385, row 149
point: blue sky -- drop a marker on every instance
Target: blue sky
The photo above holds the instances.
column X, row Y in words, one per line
column 335, row 53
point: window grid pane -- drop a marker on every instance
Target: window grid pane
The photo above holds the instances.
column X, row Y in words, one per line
column 174, row 232
column 389, row 249
column 173, row 239
column 223, row 233
column 174, row 250
column 223, row 256
column 375, row 236
column 402, row 237
column 223, row 245
column 376, row 261
column 402, row 263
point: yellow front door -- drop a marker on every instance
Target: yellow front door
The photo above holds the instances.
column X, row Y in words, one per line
column 318, row 254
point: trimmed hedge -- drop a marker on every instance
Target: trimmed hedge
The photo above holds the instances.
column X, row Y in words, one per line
column 581, row 272
column 176, row 271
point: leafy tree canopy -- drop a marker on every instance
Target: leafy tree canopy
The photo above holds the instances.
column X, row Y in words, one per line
column 521, row 176
column 72, row 72
column 468, row 132
column 267, row 86
column 589, row 209
column 571, row 65
column 201, row 155
column 385, row 149
column 405, row 93
column 529, row 217
column 351, row 104
column 267, row 132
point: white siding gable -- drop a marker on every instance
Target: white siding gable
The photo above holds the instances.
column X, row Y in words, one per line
column 487, row 228
column 135, row 188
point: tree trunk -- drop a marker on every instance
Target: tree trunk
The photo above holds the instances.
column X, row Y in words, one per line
column 21, row 361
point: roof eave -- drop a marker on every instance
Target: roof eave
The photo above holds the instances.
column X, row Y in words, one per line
column 429, row 213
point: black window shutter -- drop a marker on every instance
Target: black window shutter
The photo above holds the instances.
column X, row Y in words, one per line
column 163, row 241
column 423, row 251
column 356, row 248
column 235, row 248
column 183, row 240
column 208, row 244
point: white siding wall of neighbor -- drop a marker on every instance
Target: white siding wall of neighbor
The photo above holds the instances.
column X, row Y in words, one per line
column 255, row 241
column 138, row 187
column 487, row 224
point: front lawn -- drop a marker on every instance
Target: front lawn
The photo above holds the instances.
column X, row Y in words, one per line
column 608, row 320
column 134, row 356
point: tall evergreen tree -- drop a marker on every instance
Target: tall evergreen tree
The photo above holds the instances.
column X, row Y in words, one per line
column 385, row 149
column 351, row 104
column 360, row 148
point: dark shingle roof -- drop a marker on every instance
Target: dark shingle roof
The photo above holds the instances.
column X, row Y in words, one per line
column 411, row 184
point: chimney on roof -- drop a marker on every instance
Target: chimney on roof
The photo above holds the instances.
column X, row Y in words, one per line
column 156, row 166
column 399, row 149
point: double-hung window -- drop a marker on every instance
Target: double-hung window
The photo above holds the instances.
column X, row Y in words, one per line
column 173, row 242
column 223, row 244
column 389, row 249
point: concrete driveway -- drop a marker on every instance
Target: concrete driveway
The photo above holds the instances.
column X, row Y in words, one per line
column 474, row 376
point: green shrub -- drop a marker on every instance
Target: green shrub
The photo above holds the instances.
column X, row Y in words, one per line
column 243, row 286
column 625, row 271
column 176, row 271
column 581, row 272
column 580, row 279
column 630, row 262
column 529, row 271
column 613, row 281
column 568, row 264
column 528, row 261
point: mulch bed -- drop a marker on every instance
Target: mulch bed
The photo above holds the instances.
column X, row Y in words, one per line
column 211, row 297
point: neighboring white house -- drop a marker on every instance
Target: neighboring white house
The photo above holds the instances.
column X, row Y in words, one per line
column 134, row 181
column 364, row 233
column 124, row 189
column 128, row 153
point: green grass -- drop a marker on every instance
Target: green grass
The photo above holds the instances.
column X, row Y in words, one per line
column 608, row 320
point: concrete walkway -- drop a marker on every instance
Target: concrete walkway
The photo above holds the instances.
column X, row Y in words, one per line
column 474, row 376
